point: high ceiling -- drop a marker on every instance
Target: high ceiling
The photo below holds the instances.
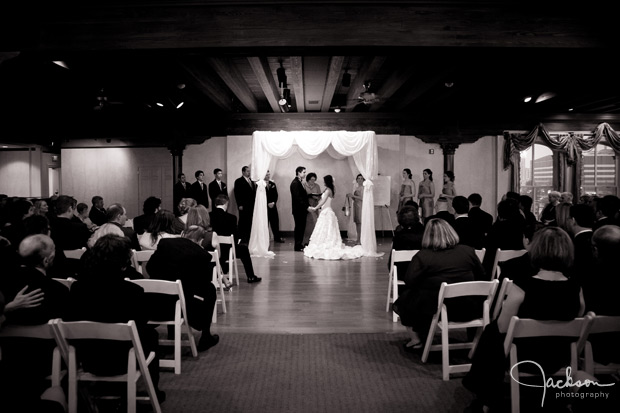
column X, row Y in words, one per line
column 443, row 71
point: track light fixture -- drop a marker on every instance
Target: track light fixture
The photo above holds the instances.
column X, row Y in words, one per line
column 281, row 76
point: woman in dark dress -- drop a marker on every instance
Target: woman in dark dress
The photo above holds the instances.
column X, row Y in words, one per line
column 314, row 194
column 548, row 295
column 441, row 259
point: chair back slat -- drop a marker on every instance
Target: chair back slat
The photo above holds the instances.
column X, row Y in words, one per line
column 504, row 255
column 159, row 286
column 225, row 239
column 77, row 330
column 41, row 331
column 469, row 288
column 403, row 255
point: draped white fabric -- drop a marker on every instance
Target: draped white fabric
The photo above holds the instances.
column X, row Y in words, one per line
column 266, row 146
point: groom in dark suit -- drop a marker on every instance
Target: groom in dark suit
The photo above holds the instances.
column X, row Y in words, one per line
column 299, row 198
column 245, row 194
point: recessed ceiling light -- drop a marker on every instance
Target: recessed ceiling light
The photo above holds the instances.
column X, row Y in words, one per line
column 160, row 104
column 60, row 63
column 570, row 109
column 527, row 99
column 180, row 104
column 545, row 96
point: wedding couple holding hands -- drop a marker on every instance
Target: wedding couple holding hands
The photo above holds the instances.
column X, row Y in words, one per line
column 325, row 241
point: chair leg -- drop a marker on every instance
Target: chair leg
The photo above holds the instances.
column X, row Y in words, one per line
column 389, row 295
column 475, row 343
column 445, row 351
column 177, row 348
column 214, row 317
column 190, row 338
column 131, row 383
column 514, row 386
column 429, row 339
column 73, row 398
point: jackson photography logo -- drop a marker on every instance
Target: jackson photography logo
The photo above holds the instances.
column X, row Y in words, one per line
column 564, row 384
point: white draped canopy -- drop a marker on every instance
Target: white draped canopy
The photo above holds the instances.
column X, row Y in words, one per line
column 268, row 147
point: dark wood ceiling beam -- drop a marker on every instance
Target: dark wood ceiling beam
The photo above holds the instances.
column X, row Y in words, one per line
column 397, row 79
column 367, row 72
column 233, row 79
column 261, row 70
column 416, row 91
column 297, row 77
column 204, row 81
column 333, row 76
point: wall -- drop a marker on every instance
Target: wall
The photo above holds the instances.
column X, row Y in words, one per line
column 20, row 172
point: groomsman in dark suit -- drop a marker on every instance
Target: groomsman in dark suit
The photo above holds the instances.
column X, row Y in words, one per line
column 217, row 186
column 300, row 206
column 480, row 218
column 199, row 190
column 224, row 223
column 245, row 194
column 180, row 190
column 468, row 233
column 272, row 208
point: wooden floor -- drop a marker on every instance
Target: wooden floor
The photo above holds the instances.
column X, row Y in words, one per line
column 304, row 295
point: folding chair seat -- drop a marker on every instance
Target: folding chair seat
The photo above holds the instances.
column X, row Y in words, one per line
column 179, row 321
column 392, row 294
column 137, row 364
column 217, row 280
column 600, row 324
column 501, row 256
column 522, row 328
column 441, row 320
column 233, row 269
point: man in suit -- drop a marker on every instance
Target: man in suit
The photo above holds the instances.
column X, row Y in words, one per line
column 480, row 218
column 184, row 259
column 245, row 194
column 606, row 209
column 180, row 190
column 272, row 208
column 300, row 206
column 97, row 213
column 199, row 190
column 463, row 225
column 408, row 234
column 225, row 224
column 67, row 233
column 217, row 186
column 117, row 215
column 580, row 227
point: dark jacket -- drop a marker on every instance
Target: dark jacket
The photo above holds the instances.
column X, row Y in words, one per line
column 299, row 197
column 201, row 195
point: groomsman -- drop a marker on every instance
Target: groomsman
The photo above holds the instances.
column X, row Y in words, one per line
column 300, row 206
column 245, row 194
column 180, row 190
column 272, row 209
column 217, row 186
column 199, row 190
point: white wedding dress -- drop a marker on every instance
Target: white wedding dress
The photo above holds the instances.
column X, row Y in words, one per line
column 325, row 241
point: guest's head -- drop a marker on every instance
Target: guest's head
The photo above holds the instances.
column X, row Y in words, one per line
column 222, row 200
column 198, row 216
column 20, row 209
column 448, row 176
column 427, row 174
column 551, row 249
column 300, row 172
column 460, row 205
column 111, row 254
column 562, row 215
column 359, row 179
column 311, row 177
column 105, row 229
column 511, row 195
column 439, row 235
column 117, row 213
column 245, row 171
column 566, row 197
column 329, row 182
column 194, row 233
column 41, row 207
column 606, row 244
column 65, row 206
column 37, row 224
column 554, row 197
column 151, row 205
column 525, row 203
column 199, row 175
column 163, row 222
column 475, row 200
column 218, row 174
column 82, row 210
column 185, row 204
column 412, row 203
column 408, row 216
column 181, row 177
column 97, row 202
column 37, row 251
column 582, row 215
column 407, row 173
column 607, row 206
column 508, row 209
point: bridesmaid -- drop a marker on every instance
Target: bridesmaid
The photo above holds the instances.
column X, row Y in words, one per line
column 448, row 192
column 314, row 195
column 407, row 189
column 426, row 194
column 358, row 196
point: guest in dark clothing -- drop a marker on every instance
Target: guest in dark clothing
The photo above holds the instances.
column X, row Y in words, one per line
column 245, row 196
column 182, row 189
column 14, row 230
column 184, row 259
column 580, row 227
column 480, row 218
column 117, row 215
column 547, row 216
column 408, row 235
column 439, row 260
column 549, row 295
column 199, row 190
column 468, row 233
column 606, row 211
column 67, row 233
column 272, row 208
column 103, row 295
column 506, row 233
column 531, row 223
column 150, row 207
column 98, row 213
column 443, row 213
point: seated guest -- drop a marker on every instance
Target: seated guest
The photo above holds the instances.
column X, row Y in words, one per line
column 184, row 259
column 601, row 288
column 98, row 215
column 443, row 213
column 566, row 197
column 506, row 233
column 159, row 228
column 606, row 211
column 117, row 215
column 67, row 233
column 548, row 295
column 531, row 223
column 408, row 235
column 481, row 219
column 82, row 214
column 441, row 259
column 103, row 295
column 184, row 206
column 13, row 230
column 580, row 228
column 547, row 216
column 468, row 233
column 151, row 206
column 41, row 207
column 224, row 223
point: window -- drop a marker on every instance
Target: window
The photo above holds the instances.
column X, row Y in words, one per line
column 598, row 175
column 536, row 175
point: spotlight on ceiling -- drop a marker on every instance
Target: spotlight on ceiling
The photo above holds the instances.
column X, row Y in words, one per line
column 60, row 63
column 527, row 99
column 545, row 96
column 181, row 86
column 337, row 110
column 570, row 109
column 161, row 105
column 180, row 104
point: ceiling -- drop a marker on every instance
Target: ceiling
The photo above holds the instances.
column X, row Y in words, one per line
column 444, row 71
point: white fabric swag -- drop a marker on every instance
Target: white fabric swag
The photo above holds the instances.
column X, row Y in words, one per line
column 268, row 147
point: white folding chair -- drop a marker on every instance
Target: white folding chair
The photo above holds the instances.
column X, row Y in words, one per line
column 217, row 279
column 522, row 328
column 75, row 254
column 600, row 324
column 137, row 365
column 179, row 321
column 65, row 281
column 233, row 269
column 140, row 259
column 501, row 256
column 441, row 320
column 42, row 332
column 480, row 253
column 392, row 294
column 504, row 289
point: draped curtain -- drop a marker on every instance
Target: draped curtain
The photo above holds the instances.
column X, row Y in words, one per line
column 267, row 147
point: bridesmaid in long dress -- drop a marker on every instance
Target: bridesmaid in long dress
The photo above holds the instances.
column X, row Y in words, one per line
column 407, row 189
column 357, row 196
column 448, row 192
column 314, row 195
column 426, row 194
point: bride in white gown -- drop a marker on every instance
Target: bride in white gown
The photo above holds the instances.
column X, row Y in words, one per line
column 325, row 241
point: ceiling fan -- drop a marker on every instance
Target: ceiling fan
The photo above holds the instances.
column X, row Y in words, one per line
column 362, row 102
